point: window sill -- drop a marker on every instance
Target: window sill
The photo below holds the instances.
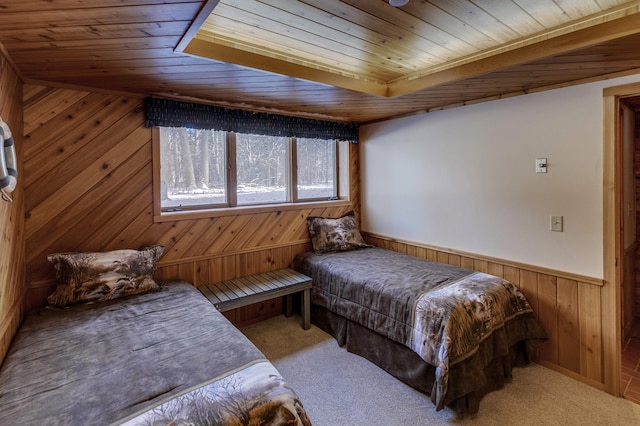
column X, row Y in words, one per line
column 237, row 211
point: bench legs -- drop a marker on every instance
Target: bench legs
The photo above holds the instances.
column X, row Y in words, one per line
column 306, row 308
column 288, row 305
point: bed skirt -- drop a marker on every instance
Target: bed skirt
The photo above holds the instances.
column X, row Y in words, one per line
column 469, row 380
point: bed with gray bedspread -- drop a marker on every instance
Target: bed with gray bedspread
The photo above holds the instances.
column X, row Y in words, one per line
column 165, row 357
column 448, row 331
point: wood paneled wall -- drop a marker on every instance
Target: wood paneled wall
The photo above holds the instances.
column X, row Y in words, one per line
column 88, row 177
column 569, row 306
column 88, row 187
column 12, row 264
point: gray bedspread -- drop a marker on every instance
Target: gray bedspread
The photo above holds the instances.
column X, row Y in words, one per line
column 442, row 312
column 165, row 357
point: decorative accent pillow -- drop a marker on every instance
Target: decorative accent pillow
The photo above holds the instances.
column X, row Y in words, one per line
column 330, row 235
column 96, row 277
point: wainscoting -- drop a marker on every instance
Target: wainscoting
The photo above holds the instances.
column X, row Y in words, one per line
column 569, row 306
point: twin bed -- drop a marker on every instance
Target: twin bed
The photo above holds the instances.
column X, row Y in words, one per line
column 164, row 356
column 450, row 332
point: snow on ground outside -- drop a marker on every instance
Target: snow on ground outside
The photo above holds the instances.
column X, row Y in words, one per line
column 246, row 195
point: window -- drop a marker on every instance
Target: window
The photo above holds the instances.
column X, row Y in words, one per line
column 209, row 169
column 262, row 169
column 192, row 169
column 316, row 164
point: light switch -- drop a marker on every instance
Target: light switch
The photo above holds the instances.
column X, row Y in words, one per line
column 541, row 165
column 556, row 223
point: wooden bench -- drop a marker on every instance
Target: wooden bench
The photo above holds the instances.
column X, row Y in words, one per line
column 245, row 291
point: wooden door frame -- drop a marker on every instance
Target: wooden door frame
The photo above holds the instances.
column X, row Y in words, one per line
column 612, row 235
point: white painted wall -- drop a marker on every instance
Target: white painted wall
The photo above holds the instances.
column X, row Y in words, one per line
column 465, row 178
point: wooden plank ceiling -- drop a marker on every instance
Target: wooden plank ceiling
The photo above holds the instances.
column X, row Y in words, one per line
column 349, row 60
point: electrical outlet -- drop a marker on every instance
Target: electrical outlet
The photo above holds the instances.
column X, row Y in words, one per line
column 556, row 223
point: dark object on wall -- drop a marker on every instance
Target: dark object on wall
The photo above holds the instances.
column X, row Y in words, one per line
column 8, row 162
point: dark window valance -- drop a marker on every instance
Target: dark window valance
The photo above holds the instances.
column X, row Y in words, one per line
column 170, row 113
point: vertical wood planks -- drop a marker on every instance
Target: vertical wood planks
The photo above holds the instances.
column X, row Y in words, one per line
column 590, row 331
column 495, row 269
column 466, row 262
column 481, row 266
column 529, row 287
column 512, row 274
column 548, row 315
column 568, row 331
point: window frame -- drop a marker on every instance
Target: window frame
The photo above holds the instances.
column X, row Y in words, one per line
column 342, row 178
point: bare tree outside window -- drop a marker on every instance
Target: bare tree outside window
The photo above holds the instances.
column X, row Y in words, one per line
column 262, row 169
column 316, row 168
column 192, row 167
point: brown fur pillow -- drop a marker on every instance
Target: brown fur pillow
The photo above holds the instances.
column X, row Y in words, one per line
column 330, row 235
column 95, row 277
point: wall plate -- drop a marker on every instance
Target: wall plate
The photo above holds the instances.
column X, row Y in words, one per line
column 556, row 223
column 541, row 165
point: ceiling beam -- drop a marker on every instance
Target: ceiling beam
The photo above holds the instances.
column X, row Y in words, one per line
column 206, row 49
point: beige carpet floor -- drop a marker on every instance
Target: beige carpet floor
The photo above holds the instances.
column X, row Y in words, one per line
column 339, row 388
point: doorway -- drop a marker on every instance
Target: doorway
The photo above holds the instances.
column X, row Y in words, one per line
column 616, row 210
column 629, row 123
